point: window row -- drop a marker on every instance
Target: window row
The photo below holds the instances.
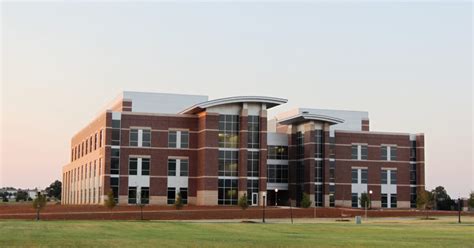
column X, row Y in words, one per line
column 360, row 152
column 87, row 146
column 138, row 195
column 174, row 193
column 90, row 170
column 84, row 196
column 359, row 176
column 387, row 200
column 277, row 173
column 141, row 166
column 277, row 152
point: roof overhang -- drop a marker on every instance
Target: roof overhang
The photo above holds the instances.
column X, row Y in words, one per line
column 269, row 101
column 304, row 117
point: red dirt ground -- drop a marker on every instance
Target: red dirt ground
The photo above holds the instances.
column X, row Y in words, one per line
column 60, row 212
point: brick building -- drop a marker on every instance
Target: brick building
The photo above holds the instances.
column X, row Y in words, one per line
column 148, row 147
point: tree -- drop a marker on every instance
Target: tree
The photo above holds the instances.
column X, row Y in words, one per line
column 470, row 201
column 442, row 200
column 54, row 189
column 21, row 195
column 39, row 203
column 424, row 201
column 305, row 202
column 4, row 196
column 179, row 201
column 110, row 201
column 364, row 200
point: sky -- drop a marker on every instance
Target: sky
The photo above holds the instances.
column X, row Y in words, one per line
column 408, row 64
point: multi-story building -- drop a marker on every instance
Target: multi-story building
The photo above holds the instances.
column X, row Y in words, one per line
column 148, row 147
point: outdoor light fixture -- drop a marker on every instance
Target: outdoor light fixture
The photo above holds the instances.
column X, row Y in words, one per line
column 276, row 197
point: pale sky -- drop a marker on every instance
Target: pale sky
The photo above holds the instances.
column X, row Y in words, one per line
column 408, row 64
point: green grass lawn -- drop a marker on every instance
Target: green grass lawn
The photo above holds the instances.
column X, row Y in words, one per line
column 395, row 233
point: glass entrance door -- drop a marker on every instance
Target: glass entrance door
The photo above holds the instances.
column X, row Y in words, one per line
column 254, row 199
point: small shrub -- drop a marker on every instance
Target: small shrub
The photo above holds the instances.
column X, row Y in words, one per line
column 178, row 204
column 243, row 203
column 110, row 201
column 305, row 202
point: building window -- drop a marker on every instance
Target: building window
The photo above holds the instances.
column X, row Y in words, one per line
column 393, row 200
column 359, row 152
column 178, row 139
column 355, row 152
column 183, row 192
column 413, row 150
column 299, row 145
column 318, row 171
column 393, row 177
column 229, row 131
column 384, row 200
column 355, row 176
column 253, row 131
column 277, row 173
column 175, row 164
column 384, row 177
column 413, row 197
column 393, row 153
column 132, row 166
column 172, row 139
column 133, row 137
column 171, row 195
column 140, row 137
column 319, row 144
column 145, row 195
column 87, row 145
column 413, row 174
column 363, row 152
column 115, row 132
column 332, row 171
column 228, row 163
column 183, row 167
column 363, row 175
column 389, row 153
column 277, row 152
column 145, row 166
column 90, row 144
column 95, row 141
column 332, row 147
column 384, row 150
column 132, row 195
column 332, row 198
column 227, row 192
column 318, row 195
column 355, row 200
column 115, row 161
column 184, row 139
column 171, row 167
column 114, row 186
column 252, row 164
column 100, row 138
column 146, row 138
column 389, row 176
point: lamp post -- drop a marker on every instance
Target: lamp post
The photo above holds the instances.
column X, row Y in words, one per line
column 276, row 197
column 264, row 203
column 367, row 203
column 370, row 198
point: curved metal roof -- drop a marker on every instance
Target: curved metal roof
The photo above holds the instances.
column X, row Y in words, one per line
column 303, row 117
column 269, row 101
